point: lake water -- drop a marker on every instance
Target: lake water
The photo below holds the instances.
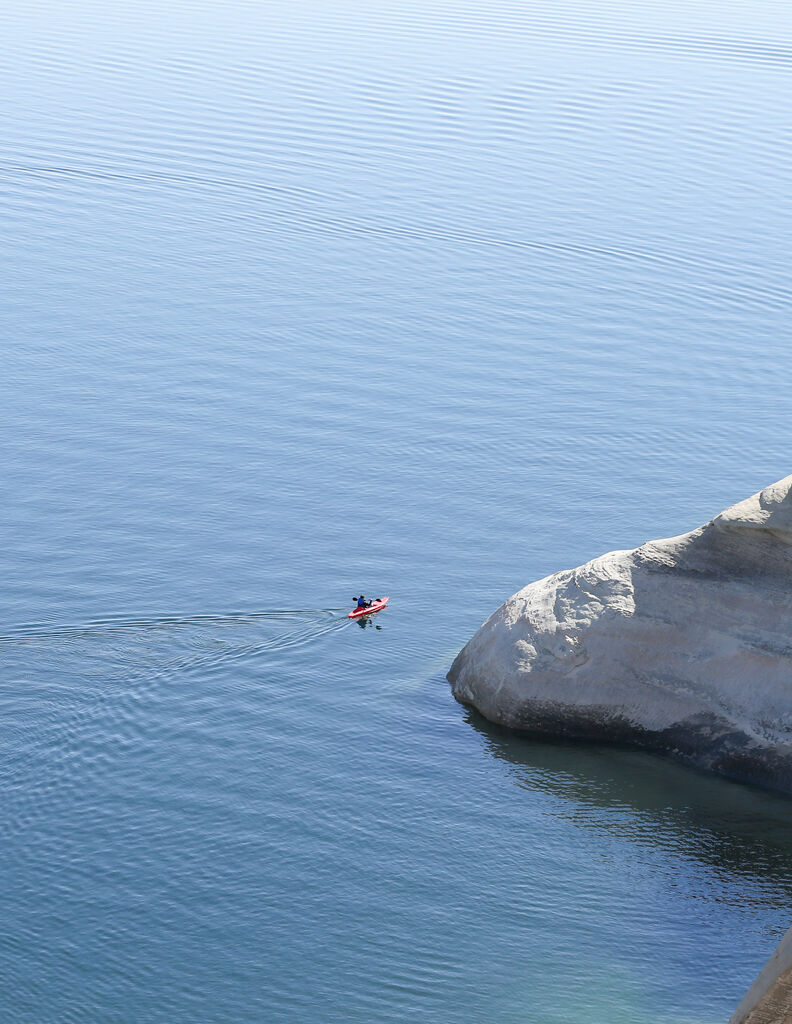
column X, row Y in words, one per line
column 307, row 299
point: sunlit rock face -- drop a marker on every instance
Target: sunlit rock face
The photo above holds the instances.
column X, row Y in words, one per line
column 682, row 645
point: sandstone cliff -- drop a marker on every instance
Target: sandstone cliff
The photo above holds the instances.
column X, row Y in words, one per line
column 682, row 645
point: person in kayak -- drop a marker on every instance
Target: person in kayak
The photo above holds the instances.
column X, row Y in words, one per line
column 362, row 602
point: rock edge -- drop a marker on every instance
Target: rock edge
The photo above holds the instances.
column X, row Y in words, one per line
column 682, row 645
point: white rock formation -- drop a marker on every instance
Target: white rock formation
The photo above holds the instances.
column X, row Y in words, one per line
column 682, row 645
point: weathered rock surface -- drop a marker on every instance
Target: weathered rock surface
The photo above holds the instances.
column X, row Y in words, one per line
column 682, row 645
column 769, row 999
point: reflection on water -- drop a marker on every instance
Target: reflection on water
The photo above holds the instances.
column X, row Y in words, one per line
column 667, row 809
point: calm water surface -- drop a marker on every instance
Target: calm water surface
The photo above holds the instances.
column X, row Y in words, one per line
column 421, row 299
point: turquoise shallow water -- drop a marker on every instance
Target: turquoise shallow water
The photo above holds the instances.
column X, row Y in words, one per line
column 428, row 300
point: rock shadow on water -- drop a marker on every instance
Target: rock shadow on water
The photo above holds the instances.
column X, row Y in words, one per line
column 647, row 800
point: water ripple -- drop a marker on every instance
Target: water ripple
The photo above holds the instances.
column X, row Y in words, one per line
column 116, row 697
column 730, row 291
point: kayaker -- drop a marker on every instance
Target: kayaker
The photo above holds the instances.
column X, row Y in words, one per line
column 362, row 602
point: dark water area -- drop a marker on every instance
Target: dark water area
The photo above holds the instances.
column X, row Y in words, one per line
column 426, row 300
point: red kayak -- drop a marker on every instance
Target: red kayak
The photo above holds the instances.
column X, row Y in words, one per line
column 375, row 606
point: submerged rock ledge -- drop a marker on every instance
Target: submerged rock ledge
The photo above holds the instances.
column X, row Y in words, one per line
column 681, row 645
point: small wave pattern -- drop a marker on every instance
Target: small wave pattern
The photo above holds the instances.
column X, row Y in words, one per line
column 128, row 626
column 109, row 677
column 310, row 210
